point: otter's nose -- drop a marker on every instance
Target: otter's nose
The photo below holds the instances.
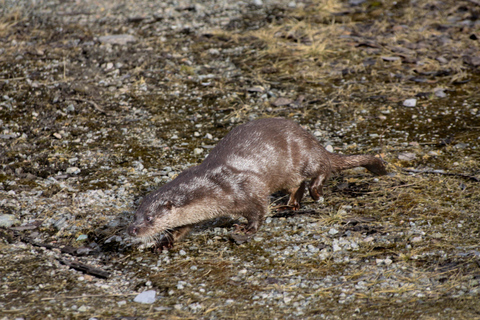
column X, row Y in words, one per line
column 132, row 230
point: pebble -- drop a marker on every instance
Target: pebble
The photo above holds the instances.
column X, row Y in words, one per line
column 416, row 239
column 73, row 170
column 8, row 220
column 83, row 308
column 440, row 93
column 121, row 39
column 70, row 108
column 410, row 103
column 332, row 231
column 146, row 297
column 369, row 239
column 407, row 156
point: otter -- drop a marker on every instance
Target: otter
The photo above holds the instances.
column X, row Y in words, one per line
column 250, row 163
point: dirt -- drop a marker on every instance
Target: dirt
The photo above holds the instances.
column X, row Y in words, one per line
column 90, row 123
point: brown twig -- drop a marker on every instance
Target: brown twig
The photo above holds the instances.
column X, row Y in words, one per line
column 85, row 268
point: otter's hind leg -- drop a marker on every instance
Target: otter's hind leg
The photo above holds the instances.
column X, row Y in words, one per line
column 316, row 186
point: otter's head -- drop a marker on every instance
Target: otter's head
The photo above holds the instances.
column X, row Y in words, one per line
column 152, row 217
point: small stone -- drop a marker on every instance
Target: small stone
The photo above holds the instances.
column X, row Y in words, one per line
column 440, row 93
column 407, row 156
column 369, row 239
column 442, row 60
column 333, row 231
column 410, row 103
column 73, row 170
column 461, row 145
column 70, row 108
column 329, row 148
column 213, row 51
column 417, row 239
column 355, row 2
column 82, row 237
column 437, row 235
column 390, row 59
column 197, row 151
column 147, row 297
column 8, row 220
column 121, row 39
column 282, row 101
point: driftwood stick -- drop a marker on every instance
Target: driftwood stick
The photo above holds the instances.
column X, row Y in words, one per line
column 85, row 268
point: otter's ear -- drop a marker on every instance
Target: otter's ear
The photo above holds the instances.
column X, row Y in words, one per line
column 169, row 204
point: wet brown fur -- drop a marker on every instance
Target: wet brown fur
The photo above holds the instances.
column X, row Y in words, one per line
column 251, row 162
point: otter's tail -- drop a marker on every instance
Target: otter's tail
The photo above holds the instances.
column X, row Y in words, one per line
column 373, row 164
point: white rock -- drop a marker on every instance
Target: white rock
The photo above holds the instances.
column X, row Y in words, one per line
column 121, row 39
column 73, row 170
column 417, row 239
column 8, row 220
column 410, row 103
column 147, row 297
column 333, row 231
column 369, row 239
column 440, row 93
column 407, row 156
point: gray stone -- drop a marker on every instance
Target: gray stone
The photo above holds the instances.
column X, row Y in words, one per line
column 121, row 39
column 146, row 297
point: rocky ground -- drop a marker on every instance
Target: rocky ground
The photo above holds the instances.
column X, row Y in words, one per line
column 103, row 101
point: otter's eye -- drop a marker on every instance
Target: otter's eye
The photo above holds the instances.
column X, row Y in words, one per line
column 148, row 218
